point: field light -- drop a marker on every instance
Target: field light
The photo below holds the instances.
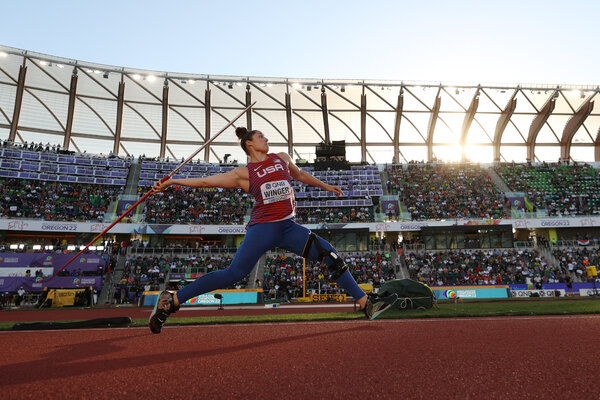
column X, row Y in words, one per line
column 93, row 248
column 137, row 77
column 296, row 86
column 100, row 248
column 49, row 247
column 3, row 54
column 71, row 247
column 14, row 246
column 21, row 246
column 151, row 78
column 37, row 247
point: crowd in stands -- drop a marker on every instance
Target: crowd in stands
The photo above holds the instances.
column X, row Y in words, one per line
column 305, row 215
column 179, row 205
column 53, row 148
column 561, row 189
column 54, row 201
column 149, row 273
column 283, row 274
column 576, row 260
column 482, row 267
column 445, row 191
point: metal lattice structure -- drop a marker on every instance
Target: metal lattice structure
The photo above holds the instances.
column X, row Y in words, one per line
column 102, row 109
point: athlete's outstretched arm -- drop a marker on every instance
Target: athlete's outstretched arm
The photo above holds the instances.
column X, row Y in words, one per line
column 307, row 178
column 233, row 179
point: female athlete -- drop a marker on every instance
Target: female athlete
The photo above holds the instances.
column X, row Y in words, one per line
column 268, row 177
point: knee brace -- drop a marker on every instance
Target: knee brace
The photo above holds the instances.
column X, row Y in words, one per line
column 338, row 266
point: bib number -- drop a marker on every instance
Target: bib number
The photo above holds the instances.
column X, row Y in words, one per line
column 273, row 192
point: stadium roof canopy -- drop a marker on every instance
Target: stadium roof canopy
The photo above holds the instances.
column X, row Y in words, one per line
column 101, row 109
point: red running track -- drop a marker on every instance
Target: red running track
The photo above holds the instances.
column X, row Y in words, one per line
column 479, row 358
column 68, row 314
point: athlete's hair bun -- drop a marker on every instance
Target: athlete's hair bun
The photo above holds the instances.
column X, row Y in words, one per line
column 240, row 132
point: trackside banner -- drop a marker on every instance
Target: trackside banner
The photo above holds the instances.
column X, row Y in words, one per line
column 401, row 226
column 50, row 261
column 470, row 292
column 231, row 296
column 12, row 284
column 540, row 293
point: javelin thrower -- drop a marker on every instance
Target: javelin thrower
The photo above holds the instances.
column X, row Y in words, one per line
column 268, row 178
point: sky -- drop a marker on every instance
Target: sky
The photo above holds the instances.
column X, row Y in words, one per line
column 548, row 42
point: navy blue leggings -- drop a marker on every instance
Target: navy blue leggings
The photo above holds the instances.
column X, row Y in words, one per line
column 260, row 238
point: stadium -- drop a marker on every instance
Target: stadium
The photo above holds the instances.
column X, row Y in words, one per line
column 488, row 194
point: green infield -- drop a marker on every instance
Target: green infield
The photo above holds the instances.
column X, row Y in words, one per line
column 513, row 307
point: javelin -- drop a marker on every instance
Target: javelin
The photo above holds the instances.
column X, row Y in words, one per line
column 152, row 190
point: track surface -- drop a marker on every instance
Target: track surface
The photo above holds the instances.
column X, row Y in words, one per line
column 67, row 314
column 519, row 357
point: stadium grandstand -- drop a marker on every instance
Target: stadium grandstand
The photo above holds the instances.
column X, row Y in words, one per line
column 449, row 184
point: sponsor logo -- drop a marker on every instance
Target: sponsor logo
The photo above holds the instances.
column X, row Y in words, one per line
column 49, row 258
column 562, row 222
column 233, row 230
column 411, row 227
column 196, row 229
column 541, row 293
column 76, row 281
column 59, row 227
column 484, row 222
column 82, row 260
column 98, row 227
column 328, row 297
column 1, row 259
column 17, row 225
column 269, row 170
column 38, row 279
column 521, row 223
column 382, row 227
column 586, row 222
column 449, row 294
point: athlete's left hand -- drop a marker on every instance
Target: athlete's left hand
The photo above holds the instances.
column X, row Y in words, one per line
column 334, row 189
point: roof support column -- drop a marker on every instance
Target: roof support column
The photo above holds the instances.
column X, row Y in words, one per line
column 537, row 124
column 397, row 126
column 363, row 127
column 120, row 106
column 503, row 121
column 597, row 147
column 18, row 101
column 249, row 112
column 325, row 115
column 571, row 127
column 469, row 116
column 165, row 120
column 207, row 121
column 288, row 115
column 70, row 109
column 431, row 127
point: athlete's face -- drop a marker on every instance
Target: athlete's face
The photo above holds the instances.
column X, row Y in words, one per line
column 259, row 142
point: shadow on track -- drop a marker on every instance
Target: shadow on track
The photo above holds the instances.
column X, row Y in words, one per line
column 74, row 360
